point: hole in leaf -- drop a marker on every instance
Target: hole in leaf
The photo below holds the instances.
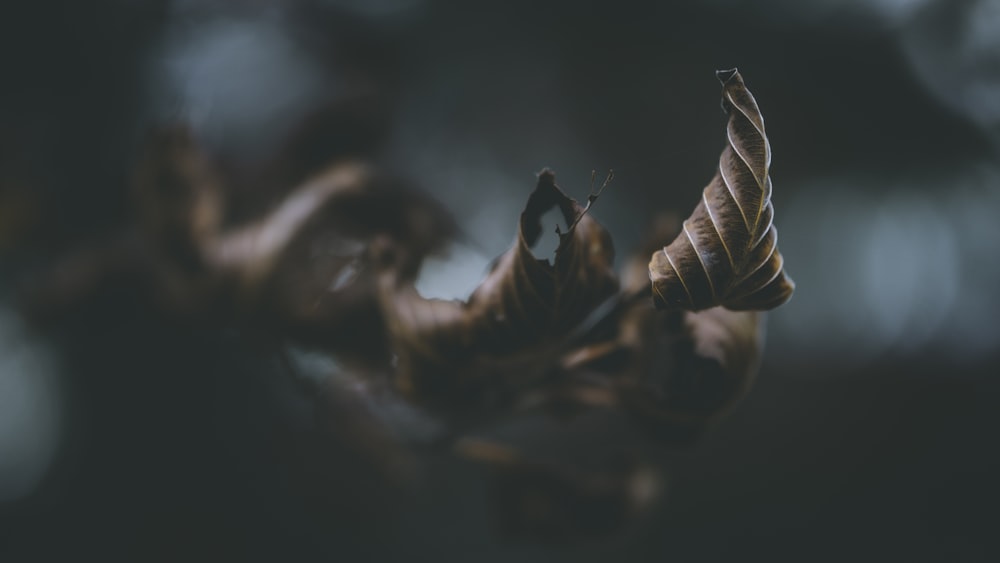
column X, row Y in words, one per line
column 548, row 242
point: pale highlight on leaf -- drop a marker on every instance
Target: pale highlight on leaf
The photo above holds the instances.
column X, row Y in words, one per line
column 727, row 253
column 255, row 249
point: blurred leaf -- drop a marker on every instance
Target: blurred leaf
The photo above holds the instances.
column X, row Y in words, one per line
column 333, row 261
column 251, row 252
column 727, row 252
column 300, row 270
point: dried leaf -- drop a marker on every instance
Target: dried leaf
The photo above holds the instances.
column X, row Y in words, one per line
column 516, row 317
column 300, row 270
column 180, row 197
column 180, row 215
column 322, row 290
column 679, row 371
column 727, row 251
column 525, row 300
column 305, row 265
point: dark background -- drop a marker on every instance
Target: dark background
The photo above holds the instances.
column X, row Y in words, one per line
column 871, row 432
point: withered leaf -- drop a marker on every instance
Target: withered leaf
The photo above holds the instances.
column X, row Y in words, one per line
column 727, row 252
column 300, row 269
column 516, row 317
column 180, row 214
column 525, row 299
column 304, row 267
column 347, row 200
column 322, row 290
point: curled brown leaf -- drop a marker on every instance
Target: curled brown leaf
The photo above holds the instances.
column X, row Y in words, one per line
column 300, row 269
column 727, row 252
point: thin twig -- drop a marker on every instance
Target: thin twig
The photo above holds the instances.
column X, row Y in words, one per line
column 592, row 197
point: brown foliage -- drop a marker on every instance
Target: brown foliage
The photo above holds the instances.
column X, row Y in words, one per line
column 333, row 264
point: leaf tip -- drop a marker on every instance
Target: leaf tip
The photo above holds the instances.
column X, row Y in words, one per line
column 728, row 75
column 547, row 176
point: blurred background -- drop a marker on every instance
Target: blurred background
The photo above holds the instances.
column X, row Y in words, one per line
column 869, row 436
